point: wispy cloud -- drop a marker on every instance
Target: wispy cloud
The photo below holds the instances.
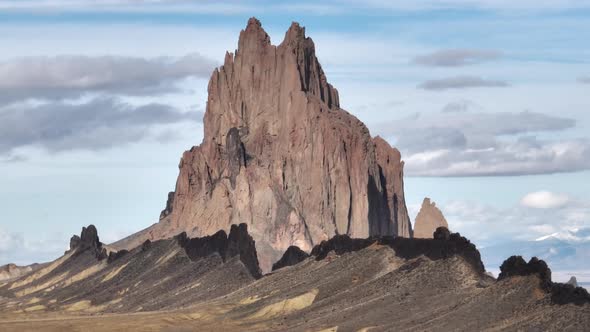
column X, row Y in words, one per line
column 55, row 78
column 456, row 57
column 461, row 82
column 97, row 124
column 584, row 79
column 481, row 143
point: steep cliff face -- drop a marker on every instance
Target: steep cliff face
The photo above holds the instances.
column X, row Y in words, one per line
column 280, row 155
column 428, row 220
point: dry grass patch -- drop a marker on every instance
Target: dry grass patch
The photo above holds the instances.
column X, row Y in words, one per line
column 114, row 273
column 287, row 306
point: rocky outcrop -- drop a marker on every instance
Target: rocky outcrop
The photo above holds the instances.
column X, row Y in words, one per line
column 573, row 281
column 169, row 203
column 12, row 271
column 292, row 256
column 88, row 240
column 280, row 155
column 517, row 266
column 560, row 293
column 428, row 220
column 239, row 243
column 444, row 245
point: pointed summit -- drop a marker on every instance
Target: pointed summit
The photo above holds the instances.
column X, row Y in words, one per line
column 295, row 34
column 280, row 155
column 253, row 39
column 428, row 220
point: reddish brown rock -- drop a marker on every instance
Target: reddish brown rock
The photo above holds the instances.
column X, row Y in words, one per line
column 428, row 220
column 280, row 155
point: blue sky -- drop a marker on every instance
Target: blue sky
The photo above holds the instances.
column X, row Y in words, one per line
column 487, row 100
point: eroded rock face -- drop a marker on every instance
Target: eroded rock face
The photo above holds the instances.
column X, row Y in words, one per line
column 280, row 155
column 88, row 240
column 517, row 266
column 238, row 243
column 169, row 204
column 428, row 220
column 560, row 293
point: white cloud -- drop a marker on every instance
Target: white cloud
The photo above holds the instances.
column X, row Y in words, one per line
column 544, row 200
column 475, row 143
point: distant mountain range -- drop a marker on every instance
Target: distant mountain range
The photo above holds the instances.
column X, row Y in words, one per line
column 566, row 252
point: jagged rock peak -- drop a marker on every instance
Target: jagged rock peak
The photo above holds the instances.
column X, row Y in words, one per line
column 517, row 266
column 238, row 243
column 428, row 220
column 295, row 34
column 88, row 240
column 280, row 155
column 560, row 293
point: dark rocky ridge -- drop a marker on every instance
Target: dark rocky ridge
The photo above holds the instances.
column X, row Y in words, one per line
column 238, row 243
column 292, row 256
column 560, row 293
column 444, row 245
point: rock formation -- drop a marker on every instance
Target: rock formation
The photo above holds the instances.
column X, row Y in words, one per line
column 280, row 155
column 11, row 271
column 238, row 244
column 88, row 240
column 444, row 245
column 560, row 293
column 428, row 220
column 573, row 281
column 292, row 256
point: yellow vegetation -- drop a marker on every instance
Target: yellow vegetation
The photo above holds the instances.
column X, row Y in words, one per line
column 86, row 273
column 35, row 308
column 44, row 285
column 42, row 272
column 250, row 299
column 166, row 258
column 287, row 306
column 114, row 273
column 78, row 306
